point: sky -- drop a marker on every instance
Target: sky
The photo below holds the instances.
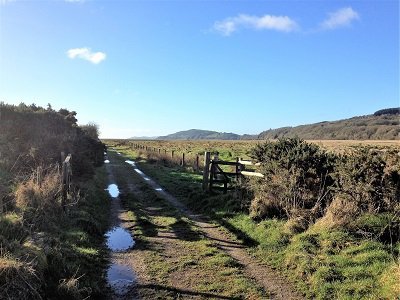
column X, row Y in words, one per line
column 151, row 68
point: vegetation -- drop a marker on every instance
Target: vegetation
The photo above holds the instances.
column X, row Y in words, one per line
column 380, row 126
column 49, row 250
column 328, row 220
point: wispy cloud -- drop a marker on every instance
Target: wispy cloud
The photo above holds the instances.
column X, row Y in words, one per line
column 86, row 54
column 340, row 18
column 267, row 22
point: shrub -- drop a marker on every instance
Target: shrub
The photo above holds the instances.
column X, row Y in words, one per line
column 297, row 180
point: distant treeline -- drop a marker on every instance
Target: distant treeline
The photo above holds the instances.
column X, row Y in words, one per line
column 382, row 125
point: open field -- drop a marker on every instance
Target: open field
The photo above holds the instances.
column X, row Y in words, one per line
column 229, row 150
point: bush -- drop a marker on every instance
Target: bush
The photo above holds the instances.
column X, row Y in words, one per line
column 297, row 180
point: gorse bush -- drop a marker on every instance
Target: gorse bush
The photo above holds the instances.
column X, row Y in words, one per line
column 304, row 183
column 32, row 136
column 297, row 179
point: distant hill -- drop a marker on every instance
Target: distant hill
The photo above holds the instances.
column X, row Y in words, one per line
column 197, row 134
column 382, row 125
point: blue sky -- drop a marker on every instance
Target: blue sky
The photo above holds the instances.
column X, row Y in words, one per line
column 149, row 68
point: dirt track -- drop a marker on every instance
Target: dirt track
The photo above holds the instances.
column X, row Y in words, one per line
column 168, row 243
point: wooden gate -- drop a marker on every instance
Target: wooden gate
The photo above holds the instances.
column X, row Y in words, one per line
column 215, row 178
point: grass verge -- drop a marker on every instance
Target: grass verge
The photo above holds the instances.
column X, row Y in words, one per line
column 66, row 259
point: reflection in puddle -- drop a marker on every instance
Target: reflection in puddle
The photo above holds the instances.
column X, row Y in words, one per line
column 159, row 189
column 119, row 239
column 106, row 161
column 105, row 153
column 120, row 278
column 113, row 190
column 132, row 163
column 139, row 172
column 118, row 153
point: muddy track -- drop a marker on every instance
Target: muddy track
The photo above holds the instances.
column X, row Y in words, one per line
column 275, row 286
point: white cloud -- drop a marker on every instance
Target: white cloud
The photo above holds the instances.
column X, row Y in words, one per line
column 87, row 54
column 266, row 22
column 340, row 18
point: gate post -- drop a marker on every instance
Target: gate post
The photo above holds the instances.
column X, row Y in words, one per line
column 206, row 171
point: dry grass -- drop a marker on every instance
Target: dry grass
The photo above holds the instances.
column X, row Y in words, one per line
column 339, row 213
column 18, row 277
column 39, row 191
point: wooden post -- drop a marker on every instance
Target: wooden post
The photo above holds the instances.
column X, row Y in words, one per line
column 172, row 153
column 206, row 171
column 159, row 150
column 183, row 159
column 165, row 151
column 64, row 184
column 197, row 163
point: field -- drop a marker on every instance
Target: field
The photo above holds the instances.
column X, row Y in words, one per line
column 339, row 238
column 230, row 150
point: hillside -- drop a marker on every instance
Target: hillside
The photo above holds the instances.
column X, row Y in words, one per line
column 379, row 126
column 197, row 134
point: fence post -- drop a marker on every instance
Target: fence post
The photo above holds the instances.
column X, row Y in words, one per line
column 183, row 159
column 197, row 163
column 64, row 184
column 206, row 171
column 172, row 153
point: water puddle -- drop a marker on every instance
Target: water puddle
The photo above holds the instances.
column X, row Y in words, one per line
column 120, row 278
column 118, row 153
column 113, row 190
column 105, row 153
column 119, row 239
column 106, row 161
column 139, row 172
column 132, row 163
column 158, row 189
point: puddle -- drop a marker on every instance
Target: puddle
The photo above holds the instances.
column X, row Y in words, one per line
column 120, row 278
column 159, row 189
column 105, row 153
column 118, row 153
column 113, row 190
column 106, row 161
column 139, row 172
column 119, row 239
column 132, row 163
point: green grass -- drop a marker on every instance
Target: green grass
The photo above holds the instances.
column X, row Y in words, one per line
column 322, row 263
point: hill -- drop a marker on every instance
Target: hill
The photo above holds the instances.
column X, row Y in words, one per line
column 382, row 125
column 197, row 134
